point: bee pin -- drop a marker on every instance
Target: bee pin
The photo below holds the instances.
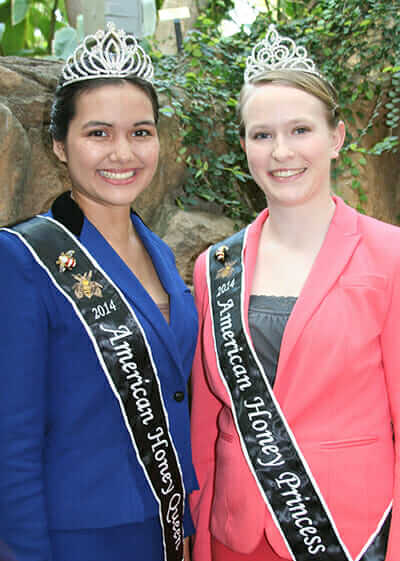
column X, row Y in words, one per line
column 221, row 253
column 86, row 286
column 66, row 261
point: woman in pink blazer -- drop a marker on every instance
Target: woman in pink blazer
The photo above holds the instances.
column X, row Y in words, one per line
column 296, row 381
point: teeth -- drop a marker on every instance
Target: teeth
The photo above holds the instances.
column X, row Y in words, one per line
column 116, row 175
column 287, row 172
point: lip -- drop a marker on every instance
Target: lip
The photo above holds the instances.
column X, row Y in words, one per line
column 118, row 176
column 287, row 173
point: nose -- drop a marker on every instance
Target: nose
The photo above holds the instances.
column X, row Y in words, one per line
column 281, row 149
column 121, row 150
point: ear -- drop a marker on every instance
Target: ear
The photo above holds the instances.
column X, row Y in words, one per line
column 339, row 135
column 59, row 150
column 242, row 143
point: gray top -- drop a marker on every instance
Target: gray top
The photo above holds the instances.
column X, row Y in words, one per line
column 268, row 316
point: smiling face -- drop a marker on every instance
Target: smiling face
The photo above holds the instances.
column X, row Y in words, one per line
column 289, row 144
column 112, row 147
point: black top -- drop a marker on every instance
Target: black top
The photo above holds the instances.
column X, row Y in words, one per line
column 268, row 316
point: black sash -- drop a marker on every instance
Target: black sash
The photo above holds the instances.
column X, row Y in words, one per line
column 126, row 359
column 281, row 472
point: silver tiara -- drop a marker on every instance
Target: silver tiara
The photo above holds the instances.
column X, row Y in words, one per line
column 107, row 54
column 276, row 52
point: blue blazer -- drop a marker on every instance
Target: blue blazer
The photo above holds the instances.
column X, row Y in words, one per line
column 66, row 459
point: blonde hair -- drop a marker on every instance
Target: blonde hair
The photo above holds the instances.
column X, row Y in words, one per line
column 313, row 84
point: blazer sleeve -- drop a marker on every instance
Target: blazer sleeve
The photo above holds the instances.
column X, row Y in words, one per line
column 23, row 340
column 205, row 411
column 391, row 362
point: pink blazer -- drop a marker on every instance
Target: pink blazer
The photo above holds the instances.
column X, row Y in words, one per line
column 338, row 384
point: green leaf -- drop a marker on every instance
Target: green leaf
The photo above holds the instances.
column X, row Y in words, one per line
column 167, row 110
column 207, row 196
column 180, row 203
column 19, row 9
column 65, row 42
column 5, row 12
column 391, row 69
column 13, row 38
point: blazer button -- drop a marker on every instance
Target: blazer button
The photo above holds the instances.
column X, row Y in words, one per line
column 179, row 396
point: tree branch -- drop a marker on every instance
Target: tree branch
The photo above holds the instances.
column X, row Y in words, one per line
column 52, row 26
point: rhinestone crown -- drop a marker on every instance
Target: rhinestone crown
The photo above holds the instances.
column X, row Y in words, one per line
column 276, row 52
column 107, row 54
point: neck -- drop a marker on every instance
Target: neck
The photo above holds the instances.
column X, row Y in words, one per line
column 299, row 227
column 113, row 222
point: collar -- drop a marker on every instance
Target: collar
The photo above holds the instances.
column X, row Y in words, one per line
column 68, row 212
column 65, row 210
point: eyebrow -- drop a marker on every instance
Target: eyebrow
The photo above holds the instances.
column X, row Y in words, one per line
column 90, row 124
column 294, row 121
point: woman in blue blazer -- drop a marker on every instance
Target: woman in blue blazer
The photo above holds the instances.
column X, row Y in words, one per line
column 97, row 338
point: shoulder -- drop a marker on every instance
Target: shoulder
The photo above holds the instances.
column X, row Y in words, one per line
column 379, row 248
column 201, row 268
column 376, row 229
column 381, row 241
column 252, row 229
column 22, row 280
column 380, row 238
column 19, row 260
column 13, row 251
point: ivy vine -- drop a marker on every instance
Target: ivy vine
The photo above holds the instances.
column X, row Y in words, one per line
column 356, row 45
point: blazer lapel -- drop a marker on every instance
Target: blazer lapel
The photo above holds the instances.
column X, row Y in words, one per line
column 340, row 242
column 125, row 279
column 169, row 334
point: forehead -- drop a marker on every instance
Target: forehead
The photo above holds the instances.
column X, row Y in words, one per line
column 280, row 102
column 113, row 102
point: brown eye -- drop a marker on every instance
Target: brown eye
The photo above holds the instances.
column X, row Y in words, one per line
column 141, row 132
column 97, row 133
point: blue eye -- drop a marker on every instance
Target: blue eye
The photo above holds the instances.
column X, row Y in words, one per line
column 301, row 130
column 261, row 135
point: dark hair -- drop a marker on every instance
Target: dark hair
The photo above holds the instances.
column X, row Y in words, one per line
column 63, row 108
column 313, row 84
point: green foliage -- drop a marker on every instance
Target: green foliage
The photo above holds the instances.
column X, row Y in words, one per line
column 27, row 27
column 32, row 27
column 356, row 45
column 218, row 9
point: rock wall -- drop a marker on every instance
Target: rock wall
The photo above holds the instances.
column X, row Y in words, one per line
column 31, row 176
